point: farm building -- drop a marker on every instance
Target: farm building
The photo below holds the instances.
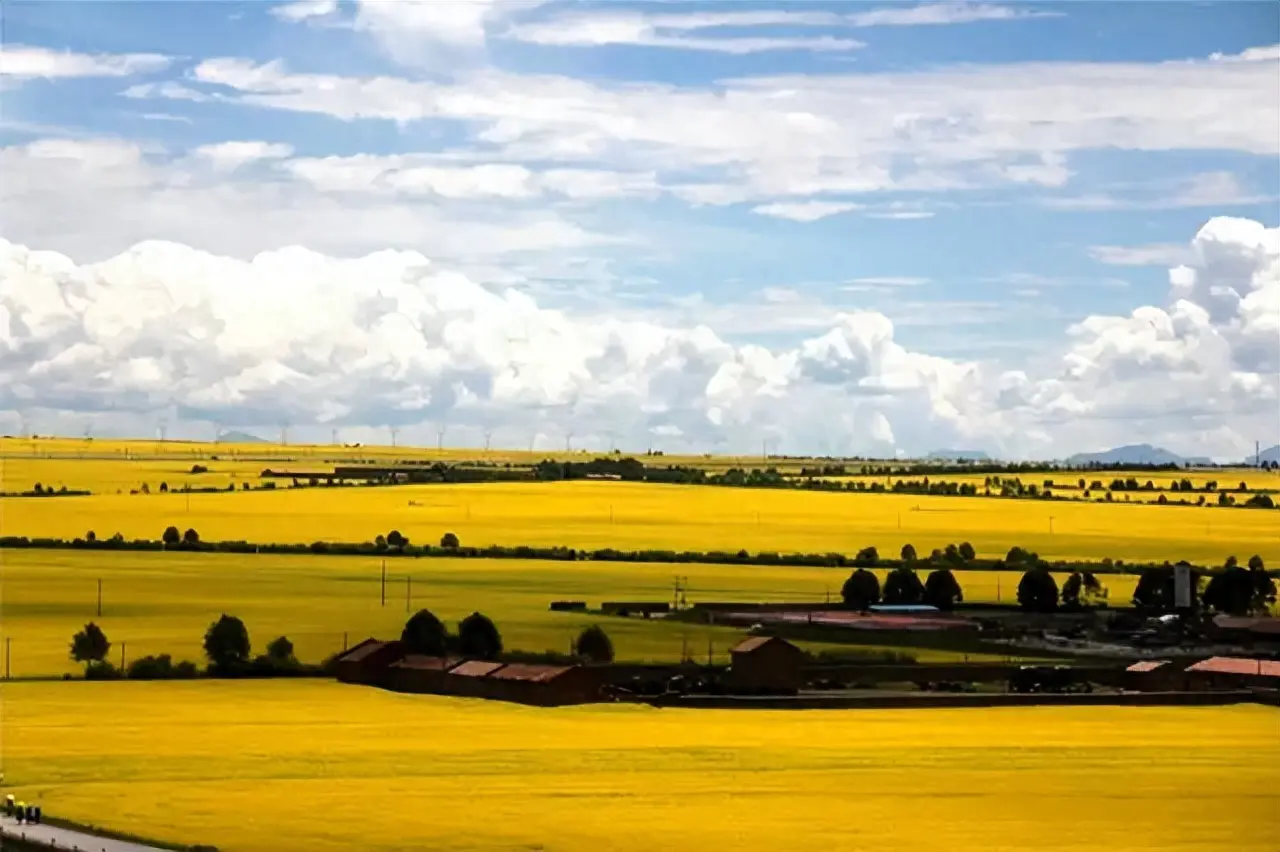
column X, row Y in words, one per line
column 1234, row 673
column 1263, row 631
column 468, row 679
column 368, row 662
column 420, row 673
column 765, row 664
column 544, row 686
column 1154, row 676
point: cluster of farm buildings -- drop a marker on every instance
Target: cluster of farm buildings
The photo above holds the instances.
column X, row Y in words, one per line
column 760, row 665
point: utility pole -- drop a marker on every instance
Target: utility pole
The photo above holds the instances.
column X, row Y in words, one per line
column 488, row 437
column 384, row 582
column 99, row 597
column 394, row 433
column 440, row 439
column 568, row 442
column 333, row 437
column 123, row 645
column 408, row 592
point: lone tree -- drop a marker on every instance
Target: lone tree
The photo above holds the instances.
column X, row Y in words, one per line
column 226, row 644
column 478, row 637
column 90, row 645
column 1016, row 556
column 191, row 538
column 942, row 590
column 593, row 645
column 396, row 540
column 449, row 541
column 967, row 552
column 1240, row 591
column 1082, row 589
column 425, row 634
column 867, row 556
column 281, row 650
column 861, row 590
column 1037, row 590
column 903, row 586
column 908, row 553
column 171, row 537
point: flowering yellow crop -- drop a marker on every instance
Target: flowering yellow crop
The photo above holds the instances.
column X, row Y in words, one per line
column 634, row 516
column 157, row 603
column 321, row 767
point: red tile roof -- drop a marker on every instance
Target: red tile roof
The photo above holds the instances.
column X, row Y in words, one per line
column 475, row 668
column 1147, row 665
column 529, row 672
column 1253, row 625
column 1238, row 666
column 746, row 646
column 363, row 650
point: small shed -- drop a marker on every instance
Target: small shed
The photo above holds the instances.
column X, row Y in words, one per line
column 469, row 679
column 545, row 686
column 368, row 662
column 1153, row 676
column 420, row 673
column 765, row 664
column 1234, row 673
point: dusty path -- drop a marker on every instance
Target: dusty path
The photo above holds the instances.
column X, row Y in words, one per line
column 67, row 839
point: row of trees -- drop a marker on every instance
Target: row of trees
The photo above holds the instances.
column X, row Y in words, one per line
column 478, row 637
column 1234, row 590
column 902, row 586
column 226, row 647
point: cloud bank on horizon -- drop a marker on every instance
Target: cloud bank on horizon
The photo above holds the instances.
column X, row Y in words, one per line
column 695, row 228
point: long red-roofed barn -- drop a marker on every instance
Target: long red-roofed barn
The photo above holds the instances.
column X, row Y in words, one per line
column 420, row 673
column 545, row 686
column 1234, row 673
column 368, row 662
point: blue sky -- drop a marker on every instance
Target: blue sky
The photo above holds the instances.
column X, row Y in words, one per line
column 984, row 175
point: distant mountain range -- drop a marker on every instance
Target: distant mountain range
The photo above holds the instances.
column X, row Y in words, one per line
column 1136, row 454
column 958, row 455
column 234, row 437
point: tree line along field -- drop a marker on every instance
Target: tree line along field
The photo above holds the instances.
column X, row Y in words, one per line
column 628, row 515
column 161, row 603
column 1067, row 483
column 210, row 761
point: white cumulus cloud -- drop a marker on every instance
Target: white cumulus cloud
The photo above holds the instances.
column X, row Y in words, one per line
column 24, row 62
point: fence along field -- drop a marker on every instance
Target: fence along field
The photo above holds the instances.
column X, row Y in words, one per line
column 158, row 603
column 195, row 762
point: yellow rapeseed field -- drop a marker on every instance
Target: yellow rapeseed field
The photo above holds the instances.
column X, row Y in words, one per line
column 322, row 767
column 641, row 515
column 156, row 603
column 584, row 514
column 1067, row 484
